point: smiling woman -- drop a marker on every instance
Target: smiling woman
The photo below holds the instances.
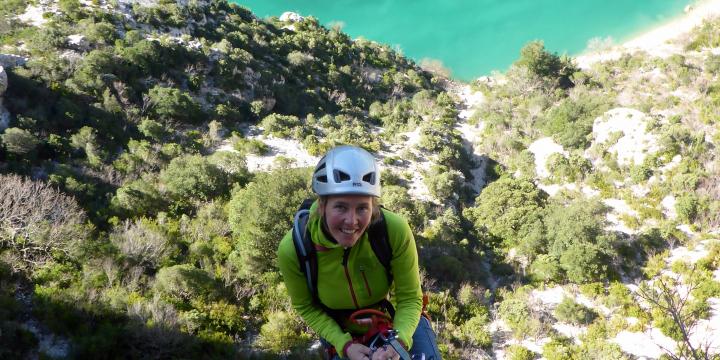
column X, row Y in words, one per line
column 352, row 273
column 472, row 38
column 346, row 217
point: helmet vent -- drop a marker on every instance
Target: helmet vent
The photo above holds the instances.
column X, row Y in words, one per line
column 320, row 167
column 369, row 178
column 322, row 179
column 340, row 176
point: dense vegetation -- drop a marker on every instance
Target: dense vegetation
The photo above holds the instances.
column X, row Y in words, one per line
column 124, row 231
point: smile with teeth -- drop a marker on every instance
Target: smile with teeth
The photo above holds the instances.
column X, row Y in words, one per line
column 348, row 231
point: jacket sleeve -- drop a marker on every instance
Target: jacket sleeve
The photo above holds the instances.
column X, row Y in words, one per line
column 302, row 300
column 406, row 276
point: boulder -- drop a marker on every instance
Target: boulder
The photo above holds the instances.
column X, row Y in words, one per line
column 290, row 16
column 9, row 60
column 78, row 42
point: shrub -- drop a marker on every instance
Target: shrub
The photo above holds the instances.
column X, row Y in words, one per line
column 183, row 283
column 193, row 177
column 571, row 312
column 570, row 122
column 544, row 64
column 19, row 141
column 37, row 220
column 282, row 333
column 170, row 104
column 518, row 352
column 280, row 125
column 513, row 211
column 251, row 146
column 443, row 183
column 143, row 242
column 261, row 214
column 518, row 316
column 686, row 207
column 558, row 348
column 475, row 332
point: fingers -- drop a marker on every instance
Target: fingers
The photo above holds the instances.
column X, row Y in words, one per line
column 385, row 354
column 358, row 352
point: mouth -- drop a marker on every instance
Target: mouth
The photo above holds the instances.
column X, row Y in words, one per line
column 348, row 231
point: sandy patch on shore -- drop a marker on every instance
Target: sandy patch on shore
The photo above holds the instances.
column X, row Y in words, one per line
column 657, row 41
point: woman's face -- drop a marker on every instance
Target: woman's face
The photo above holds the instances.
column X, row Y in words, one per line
column 347, row 217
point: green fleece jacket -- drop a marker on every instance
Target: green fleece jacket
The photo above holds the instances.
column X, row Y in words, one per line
column 360, row 283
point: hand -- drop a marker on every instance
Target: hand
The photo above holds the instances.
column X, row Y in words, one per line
column 385, row 353
column 358, row 352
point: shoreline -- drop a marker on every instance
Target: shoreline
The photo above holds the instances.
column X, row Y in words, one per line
column 655, row 40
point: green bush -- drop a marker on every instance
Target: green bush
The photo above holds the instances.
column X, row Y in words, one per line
column 570, row 122
column 705, row 35
column 19, row 141
column 559, row 348
column 180, row 283
column 193, row 177
column 282, row 333
column 513, row 211
column 571, row 312
column 251, row 146
column 281, row 126
column 170, row 104
column 261, row 214
column 518, row 352
column 544, row 64
column 475, row 332
column 519, row 317
column 686, row 207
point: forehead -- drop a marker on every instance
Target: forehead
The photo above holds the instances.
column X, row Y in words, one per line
column 350, row 199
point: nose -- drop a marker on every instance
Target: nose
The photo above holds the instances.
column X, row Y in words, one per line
column 351, row 218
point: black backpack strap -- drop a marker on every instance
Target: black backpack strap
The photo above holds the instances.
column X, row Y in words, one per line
column 378, row 236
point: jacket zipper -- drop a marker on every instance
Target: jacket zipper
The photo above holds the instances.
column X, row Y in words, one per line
column 346, row 254
column 367, row 284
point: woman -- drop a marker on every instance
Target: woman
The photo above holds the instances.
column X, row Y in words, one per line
column 350, row 276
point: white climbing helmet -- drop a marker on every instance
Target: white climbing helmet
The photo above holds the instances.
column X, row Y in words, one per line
column 346, row 170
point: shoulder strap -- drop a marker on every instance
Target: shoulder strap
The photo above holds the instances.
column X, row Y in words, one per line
column 304, row 248
column 378, row 236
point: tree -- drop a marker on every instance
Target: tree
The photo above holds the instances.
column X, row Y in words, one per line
column 261, row 214
column 571, row 312
column 545, row 64
column 193, row 177
column 443, row 183
column 184, row 282
column 513, row 211
column 578, row 240
column 139, row 197
column 19, row 141
column 170, row 104
column 283, row 332
column 677, row 301
column 37, row 220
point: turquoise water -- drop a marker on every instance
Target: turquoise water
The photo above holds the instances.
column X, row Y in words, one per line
column 474, row 37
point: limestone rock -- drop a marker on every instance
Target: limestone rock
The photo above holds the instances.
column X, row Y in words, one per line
column 290, row 16
column 3, row 80
column 78, row 42
column 9, row 60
